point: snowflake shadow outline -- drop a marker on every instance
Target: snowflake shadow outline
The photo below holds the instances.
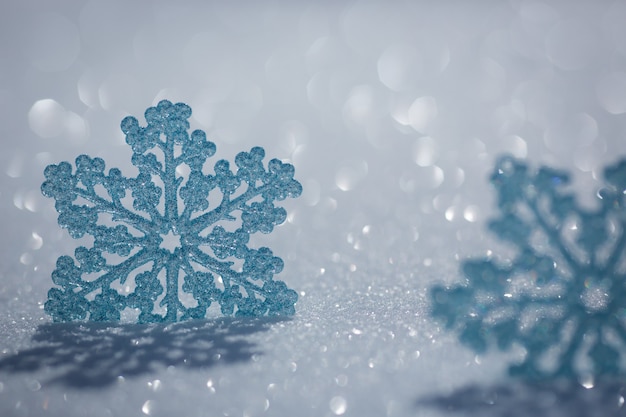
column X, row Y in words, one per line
column 529, row 399
column 94, row 355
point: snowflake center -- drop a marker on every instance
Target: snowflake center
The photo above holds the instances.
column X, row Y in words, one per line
column 171, row 241
column 595, row 297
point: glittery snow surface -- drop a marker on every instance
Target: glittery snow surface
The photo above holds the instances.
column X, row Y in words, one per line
column 393, row 114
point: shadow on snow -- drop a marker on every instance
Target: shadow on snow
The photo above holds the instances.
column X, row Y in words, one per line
column 91, row 355
column 520, row 399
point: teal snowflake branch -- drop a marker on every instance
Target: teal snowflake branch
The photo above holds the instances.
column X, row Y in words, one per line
column 211, row 264
column 562, row 297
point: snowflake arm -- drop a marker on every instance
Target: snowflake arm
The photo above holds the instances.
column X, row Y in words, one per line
column 562, row 296
column 211, row 264
column 66, row 187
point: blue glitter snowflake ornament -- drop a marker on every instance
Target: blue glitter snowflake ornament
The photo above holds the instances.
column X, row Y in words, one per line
column 562, row 295
column 163, row 238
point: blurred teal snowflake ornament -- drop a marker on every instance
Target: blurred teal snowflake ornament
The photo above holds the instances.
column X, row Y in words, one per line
column 159, row 231
column 562, row 295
